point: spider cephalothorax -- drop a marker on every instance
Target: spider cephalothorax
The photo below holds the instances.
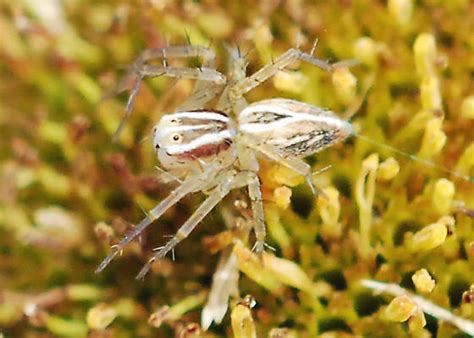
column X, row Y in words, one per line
column 215, row 153
column 183, row 140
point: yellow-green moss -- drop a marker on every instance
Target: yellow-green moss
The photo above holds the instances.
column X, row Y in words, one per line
column 67, row 191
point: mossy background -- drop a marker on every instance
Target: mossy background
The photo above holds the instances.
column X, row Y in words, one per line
column 61, row 175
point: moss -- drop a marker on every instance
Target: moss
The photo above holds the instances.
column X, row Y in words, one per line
column 387, row 221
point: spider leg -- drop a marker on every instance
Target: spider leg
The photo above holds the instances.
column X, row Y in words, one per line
column 128, row 109
column 248, row 161
column 184, row 51
column 229, row 180
column 200, row 95
column 257, row 210
column 290, row 56
column 291, row 162
column 192, row 183
column 167, row 176
column 201, row 74
column 237, row 66
column 202, row 92
column 164, row 53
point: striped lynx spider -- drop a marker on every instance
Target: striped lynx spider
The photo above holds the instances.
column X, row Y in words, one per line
column 214, row 153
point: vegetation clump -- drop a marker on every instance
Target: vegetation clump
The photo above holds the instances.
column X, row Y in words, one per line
column 401, row 226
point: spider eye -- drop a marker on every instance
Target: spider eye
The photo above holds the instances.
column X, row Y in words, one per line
column 176, row 137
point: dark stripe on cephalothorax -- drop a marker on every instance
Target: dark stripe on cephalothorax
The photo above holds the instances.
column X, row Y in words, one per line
column 209, row 127
column 206, row 150
column 205, row 119
column 210, row 111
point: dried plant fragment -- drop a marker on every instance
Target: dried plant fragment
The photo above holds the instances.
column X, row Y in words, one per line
column 224, row 285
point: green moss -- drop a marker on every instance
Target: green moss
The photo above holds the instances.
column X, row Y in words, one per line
column 59, row 58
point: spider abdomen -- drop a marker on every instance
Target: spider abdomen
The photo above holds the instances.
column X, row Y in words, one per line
column 183, row 138
column 296, row 128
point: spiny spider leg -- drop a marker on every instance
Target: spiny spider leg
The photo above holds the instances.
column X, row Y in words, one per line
column 284, row 60
column 128, row 108
column 163, row 53
column 291, row 162
column 202, row 92
column 167, row 176
column 186, row 51
column 192, row 183
column 201, row 74
column 264, row 73
column 237, row 66
column 248, row 161
column 200, row 97
column 255, row 194
column 230, row 180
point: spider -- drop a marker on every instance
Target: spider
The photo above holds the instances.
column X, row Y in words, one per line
column 211, row 152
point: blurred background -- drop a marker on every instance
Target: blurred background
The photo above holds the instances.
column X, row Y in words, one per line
column 67, row 192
